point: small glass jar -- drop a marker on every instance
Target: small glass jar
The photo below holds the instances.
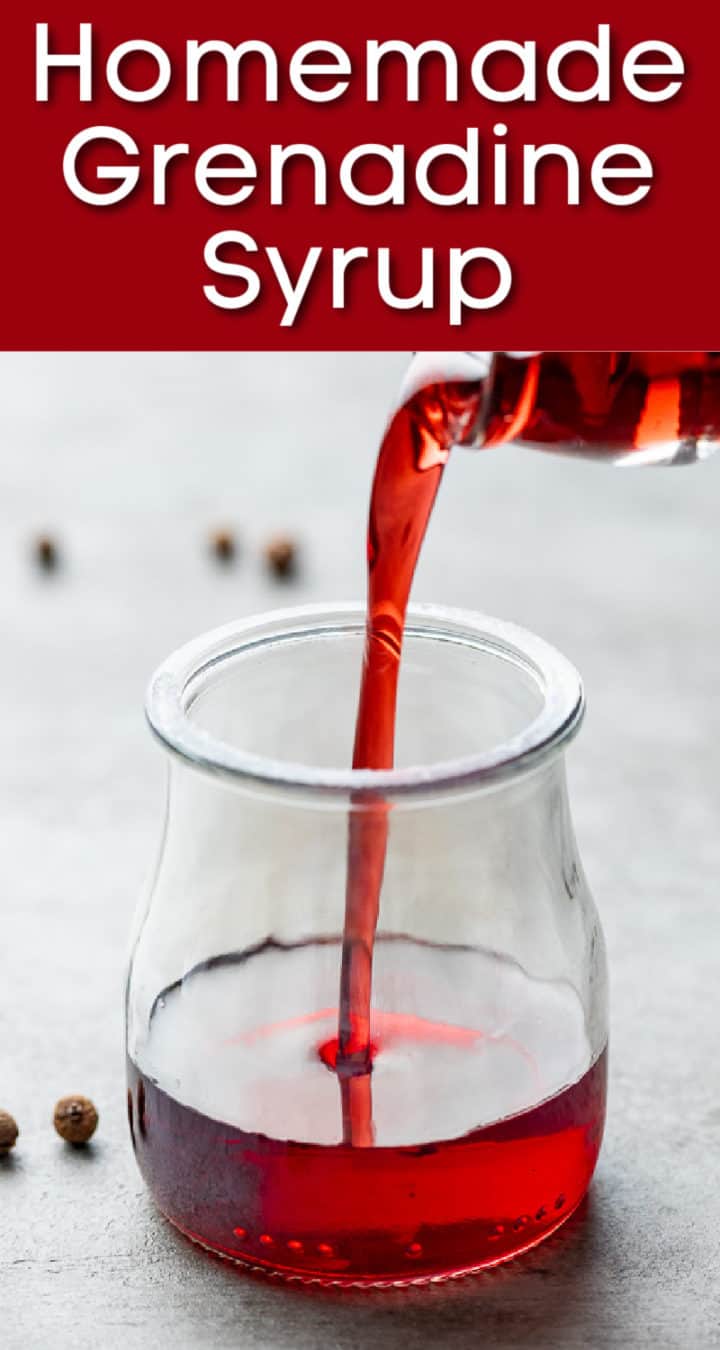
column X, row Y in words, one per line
column 486, row 1098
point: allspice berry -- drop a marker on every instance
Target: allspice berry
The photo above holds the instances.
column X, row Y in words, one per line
column 75, row 1119
column 281, row 555
column 8, row 1132
column 223, row 544
column 46, row 552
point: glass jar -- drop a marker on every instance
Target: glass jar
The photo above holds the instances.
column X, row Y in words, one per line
column 486, row 1097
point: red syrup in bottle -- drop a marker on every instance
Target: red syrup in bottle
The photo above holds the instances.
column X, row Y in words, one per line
column 627, row 407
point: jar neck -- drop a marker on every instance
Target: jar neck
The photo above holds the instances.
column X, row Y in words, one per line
column 486, row 702
column 528, row 798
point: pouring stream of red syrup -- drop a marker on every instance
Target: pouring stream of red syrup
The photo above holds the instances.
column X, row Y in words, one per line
column 410, row 465
column 610, row 404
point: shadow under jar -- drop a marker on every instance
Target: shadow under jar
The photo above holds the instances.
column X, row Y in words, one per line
column 489, row 1012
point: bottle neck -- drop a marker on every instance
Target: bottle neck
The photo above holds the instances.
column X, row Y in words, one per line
column 641, row 408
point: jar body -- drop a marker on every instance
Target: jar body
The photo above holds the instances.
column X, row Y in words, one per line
column 489, row 1020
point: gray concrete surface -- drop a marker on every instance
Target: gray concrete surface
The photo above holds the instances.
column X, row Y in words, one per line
column 131, row 459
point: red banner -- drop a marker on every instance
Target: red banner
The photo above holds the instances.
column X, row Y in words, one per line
column 299, row 183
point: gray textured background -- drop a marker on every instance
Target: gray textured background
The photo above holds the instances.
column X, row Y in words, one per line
column 130, row 460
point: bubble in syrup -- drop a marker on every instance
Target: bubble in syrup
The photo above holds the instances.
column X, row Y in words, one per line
column 541, row 1214
column 560, row 1202
column 325, row 1249
column 294, row 1245
column 266, row 1239
column 499, row 1230
column 414, row 1249
column 240, row 1233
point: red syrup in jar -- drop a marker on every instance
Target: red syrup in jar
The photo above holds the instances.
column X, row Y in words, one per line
column 300, row 1147
column 332, row 1211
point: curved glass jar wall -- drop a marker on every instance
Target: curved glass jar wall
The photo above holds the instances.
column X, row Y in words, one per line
column 489, row 1025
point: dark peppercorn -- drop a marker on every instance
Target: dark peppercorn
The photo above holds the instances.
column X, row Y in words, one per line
column 281, row 555
column 75, row 1119
column 8, row 1132
column 224, row 545
column 46, row 552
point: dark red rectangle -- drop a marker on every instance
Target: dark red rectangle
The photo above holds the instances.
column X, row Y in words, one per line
column 591, row 276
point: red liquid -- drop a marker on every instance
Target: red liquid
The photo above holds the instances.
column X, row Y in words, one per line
column 374, row 1215
column 613, row 404
column 656, row 407
column 365, row 1210
column 412, row 457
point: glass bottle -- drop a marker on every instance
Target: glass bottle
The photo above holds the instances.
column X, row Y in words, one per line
column 632, row 408
column 485, row 1105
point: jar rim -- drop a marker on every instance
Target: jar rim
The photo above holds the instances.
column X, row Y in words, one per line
column 168, row 703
